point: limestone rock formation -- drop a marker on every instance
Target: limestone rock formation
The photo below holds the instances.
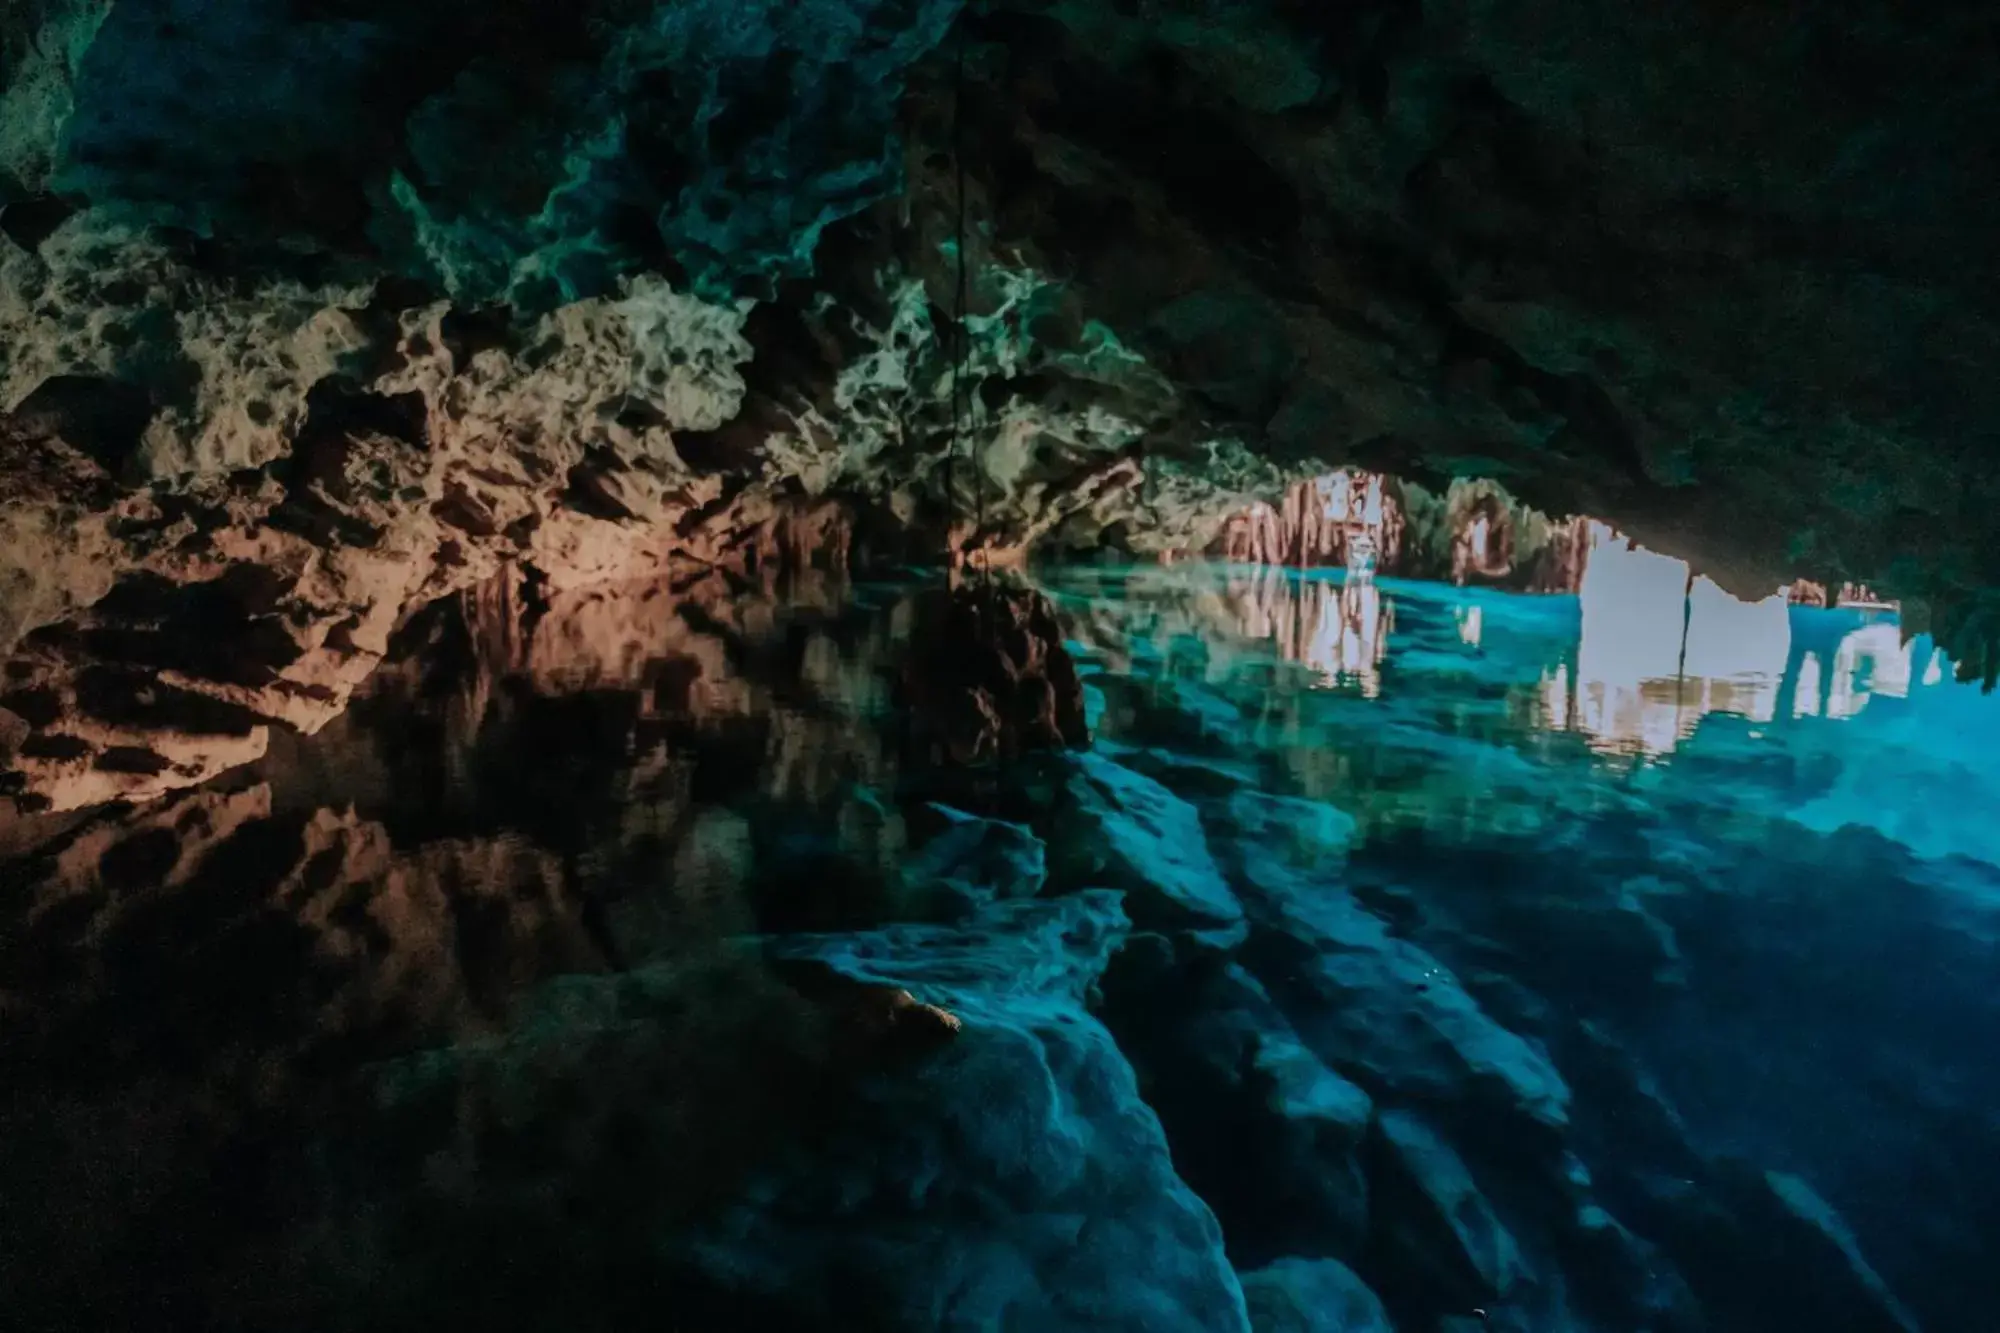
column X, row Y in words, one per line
column 1311, row 1296
column 1125, row 829
column 1475, row 532
column 410, row 412
column 184, row 626
column 1028, row 1131
column 721, row 243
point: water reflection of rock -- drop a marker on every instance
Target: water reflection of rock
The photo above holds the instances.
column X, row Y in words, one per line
column 536, row 780
column 1341, row 630
column 153, row 642
column 1642, row 941
column 538, row 784
column 1418, row 1091
column 1652, row 653
column 988, row 677
column 1660, row 649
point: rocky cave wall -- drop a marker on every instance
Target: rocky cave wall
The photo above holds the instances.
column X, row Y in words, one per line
column 405, row 293
column 1475, row 532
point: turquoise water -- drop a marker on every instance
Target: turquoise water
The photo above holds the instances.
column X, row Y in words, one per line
column 1449, row 958
column 1479, row 710
column 1753, row 846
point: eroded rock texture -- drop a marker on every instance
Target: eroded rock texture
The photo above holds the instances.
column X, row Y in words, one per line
column 1474, row 533
column 1721, row 278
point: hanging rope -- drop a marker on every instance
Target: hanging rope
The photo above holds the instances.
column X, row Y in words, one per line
column 959, row 347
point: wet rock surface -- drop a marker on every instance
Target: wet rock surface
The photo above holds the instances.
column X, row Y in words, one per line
column 1311, row 1296
column 1029, row 1133
column 1123, row 828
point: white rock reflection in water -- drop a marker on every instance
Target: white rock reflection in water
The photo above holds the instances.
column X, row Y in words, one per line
column 1657, row 650
column 1871, row 660
column 1340, row 630
column 1660, row 649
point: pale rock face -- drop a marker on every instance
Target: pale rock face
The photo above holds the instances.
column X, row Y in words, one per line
column 256, row 365
column 579, row 369
column 555, row 448
column 50, row 565
column 102, row 300
column 228, row 372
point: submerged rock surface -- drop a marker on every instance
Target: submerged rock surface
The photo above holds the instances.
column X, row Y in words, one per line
column 619, row 946
column 1311, row 1296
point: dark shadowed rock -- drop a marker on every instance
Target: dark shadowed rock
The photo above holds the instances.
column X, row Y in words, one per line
column 29, row 222
column 1311, row 1296
column 1813, row 1255
column 989, row 677
column 1433, row 1222
column 100, row 418
column 1267, row 1135
column 973, row 860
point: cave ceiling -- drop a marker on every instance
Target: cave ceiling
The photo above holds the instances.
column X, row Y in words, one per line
column 1723, row 275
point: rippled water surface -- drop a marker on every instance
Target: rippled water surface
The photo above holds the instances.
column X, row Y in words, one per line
column 1442, row 957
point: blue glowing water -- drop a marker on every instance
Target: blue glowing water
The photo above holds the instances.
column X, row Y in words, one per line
column 1826, row 717
column 1752, row 844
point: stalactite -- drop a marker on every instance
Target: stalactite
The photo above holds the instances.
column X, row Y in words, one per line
column 1317, row 522
column 1559, row 565
column 1474, row 533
